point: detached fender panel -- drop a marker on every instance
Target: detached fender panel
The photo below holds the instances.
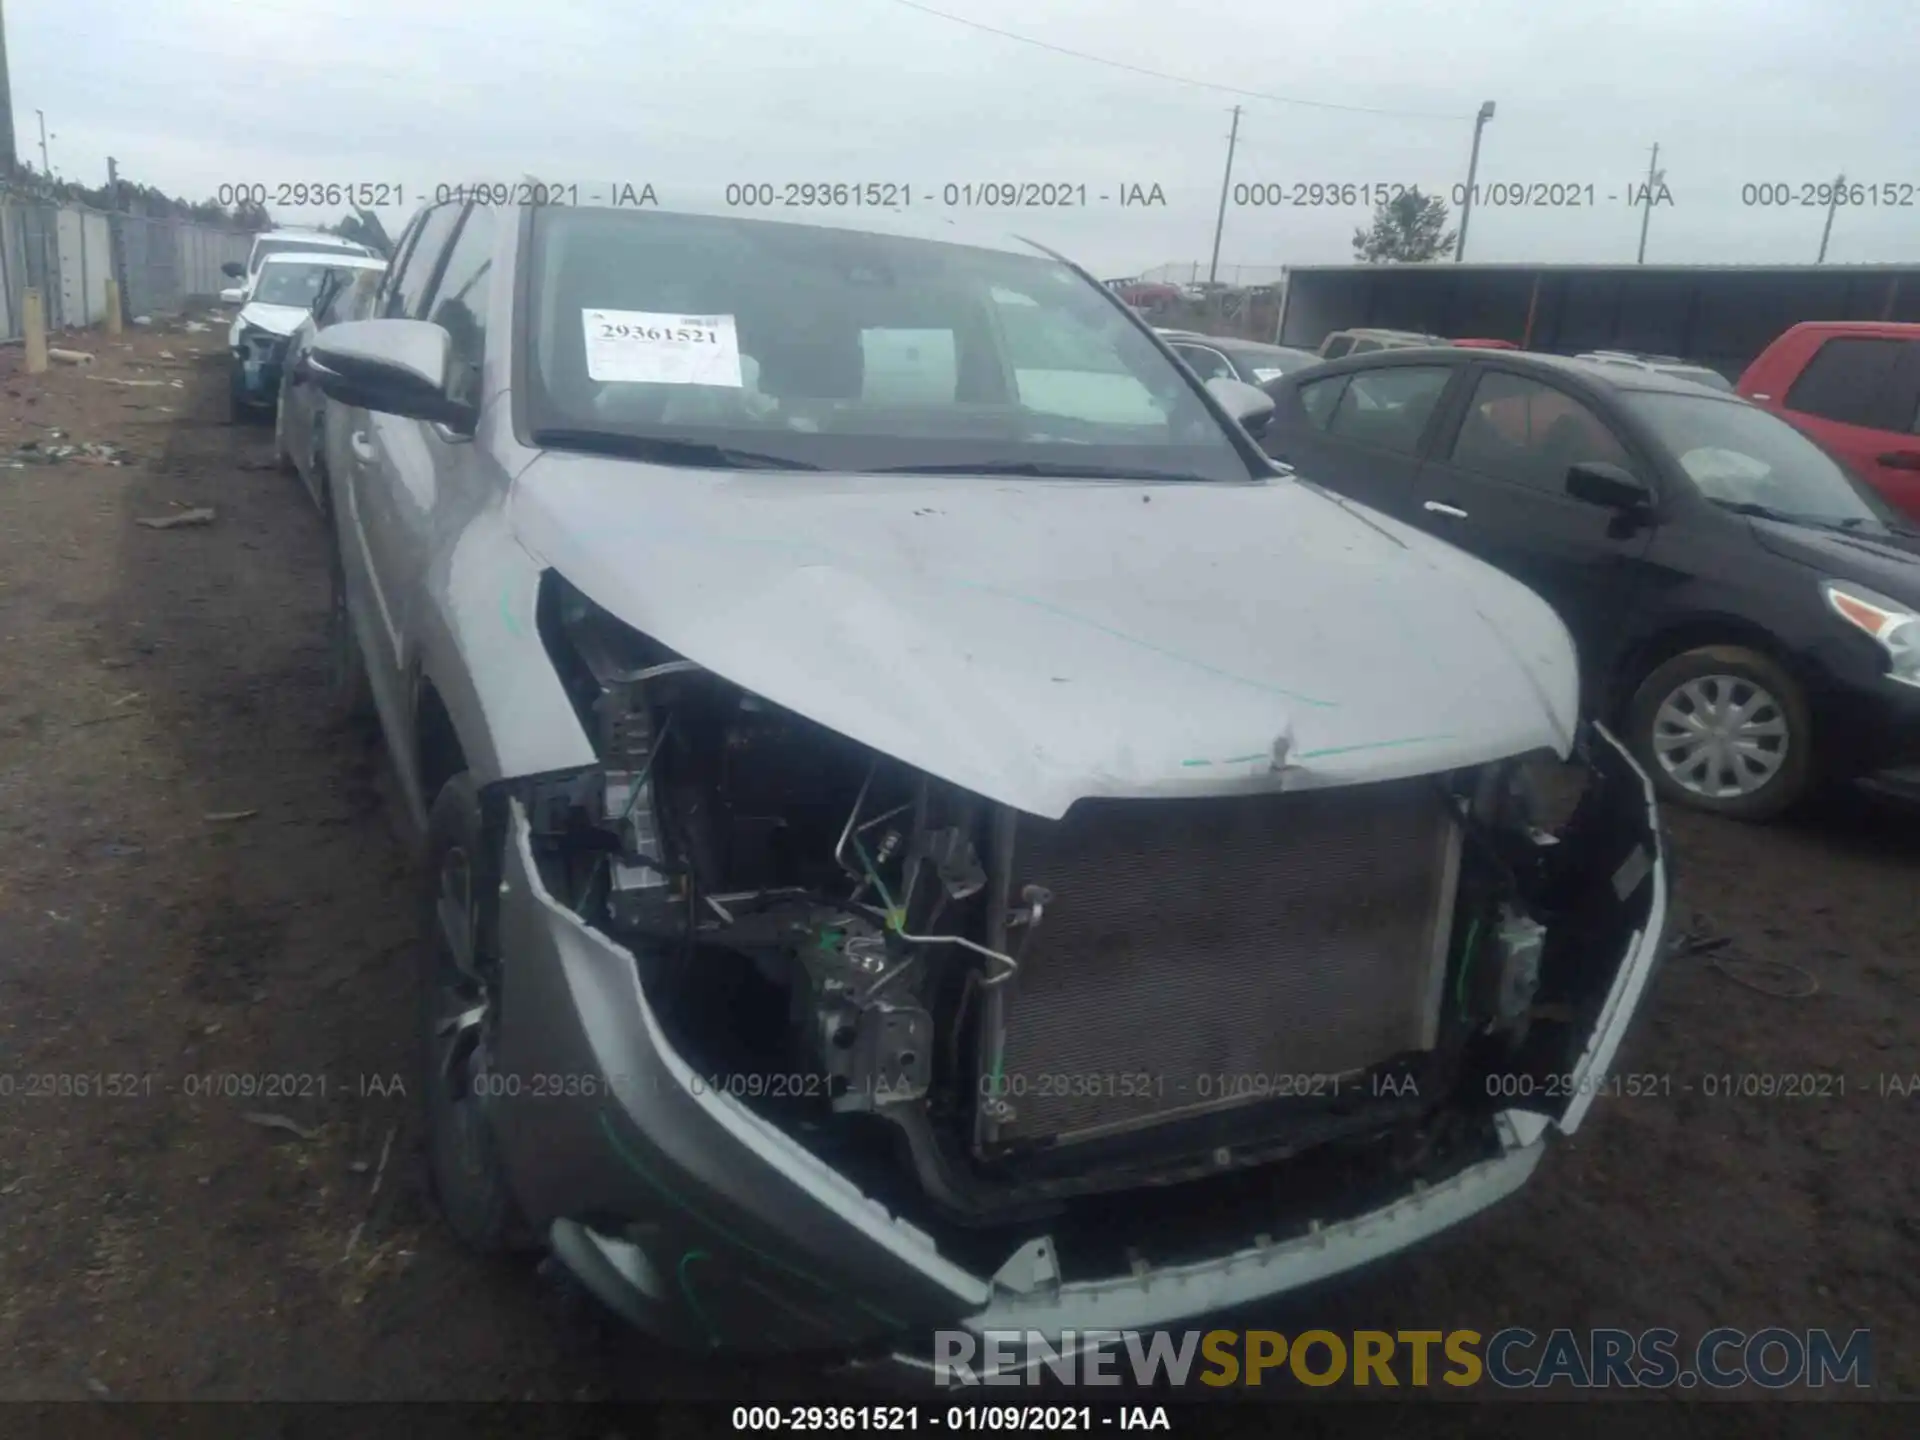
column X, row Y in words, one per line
column 478, row 644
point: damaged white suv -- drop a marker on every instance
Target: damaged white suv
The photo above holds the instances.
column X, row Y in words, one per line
column 927, row 826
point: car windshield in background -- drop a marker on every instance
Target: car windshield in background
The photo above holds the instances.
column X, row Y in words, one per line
column 845, row 350
column 291, row 283
column 1270, row 362
column 1698, row 374
column 263, row 248
column 1742, row 457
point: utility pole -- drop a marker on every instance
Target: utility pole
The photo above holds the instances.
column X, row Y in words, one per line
column 9, row 158
column 1654, row 178
column 1220, row 221
column 1473, row 170
column 1833, row 203
column 45, row 168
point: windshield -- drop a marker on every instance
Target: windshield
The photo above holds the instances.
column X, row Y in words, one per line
column 1270, row 362
column 263, row 248
column 292, row 283
column 849, row 351
column 1699, row 375
column 1739, row 455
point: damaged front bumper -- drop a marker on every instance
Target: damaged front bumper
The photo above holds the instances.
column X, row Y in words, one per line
column 257, row 359
column 708, row 1225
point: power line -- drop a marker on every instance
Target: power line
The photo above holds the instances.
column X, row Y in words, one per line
column 1176, row 79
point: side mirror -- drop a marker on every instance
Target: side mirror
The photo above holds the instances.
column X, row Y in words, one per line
column 233, row 295
column 1248, row 404
column 398, row 367
column 234, row 269
column 1599, row 483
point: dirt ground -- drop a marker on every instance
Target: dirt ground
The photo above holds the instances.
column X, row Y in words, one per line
column 158, row 1241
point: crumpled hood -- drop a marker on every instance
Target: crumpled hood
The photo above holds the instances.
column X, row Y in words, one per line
column 276, row 319
column 1038, row 641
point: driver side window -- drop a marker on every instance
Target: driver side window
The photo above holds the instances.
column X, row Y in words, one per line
column 415, row 273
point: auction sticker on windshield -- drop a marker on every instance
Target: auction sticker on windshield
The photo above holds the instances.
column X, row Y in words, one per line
column 644, row 347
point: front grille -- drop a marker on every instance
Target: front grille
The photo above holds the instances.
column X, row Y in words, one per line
column 1215, row 949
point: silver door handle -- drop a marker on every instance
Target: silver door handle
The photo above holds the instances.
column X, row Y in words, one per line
column 1440, row 507
column 362, row 446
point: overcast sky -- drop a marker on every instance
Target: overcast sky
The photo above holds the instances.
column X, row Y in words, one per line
column 193, row 94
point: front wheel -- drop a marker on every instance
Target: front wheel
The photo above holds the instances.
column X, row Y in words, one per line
column 459, row 984
column 1724, row 729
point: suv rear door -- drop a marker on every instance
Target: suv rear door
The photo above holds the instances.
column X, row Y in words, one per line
column 384, row 479
column 1860, row 396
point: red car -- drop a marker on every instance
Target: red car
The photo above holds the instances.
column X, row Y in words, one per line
column 1855, row 387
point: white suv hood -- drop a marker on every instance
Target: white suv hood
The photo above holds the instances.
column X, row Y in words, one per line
column 1037, row 641
column 278, row 319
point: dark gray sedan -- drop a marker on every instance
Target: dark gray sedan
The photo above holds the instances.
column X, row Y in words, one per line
column 1222, row 356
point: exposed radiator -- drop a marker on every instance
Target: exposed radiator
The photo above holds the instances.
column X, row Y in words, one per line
column 1197, row 952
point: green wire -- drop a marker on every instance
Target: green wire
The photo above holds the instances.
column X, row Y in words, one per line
column 895, row 918
column 1466, row 962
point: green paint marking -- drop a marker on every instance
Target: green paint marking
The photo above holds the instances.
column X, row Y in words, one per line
column 1243, row 759
column 507, row 617
column 693, row 1301
column 1372, row 745
column 1196, row 762
column 659, row 1187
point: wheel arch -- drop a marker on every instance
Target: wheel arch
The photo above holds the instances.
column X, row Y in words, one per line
column 437, row 751
column 1694, row 632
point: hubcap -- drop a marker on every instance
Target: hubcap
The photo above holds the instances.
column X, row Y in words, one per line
column 1721, row 736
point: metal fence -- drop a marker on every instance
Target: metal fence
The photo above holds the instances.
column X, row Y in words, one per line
column 66, row 251
column 169, row 260
column 1194, row 272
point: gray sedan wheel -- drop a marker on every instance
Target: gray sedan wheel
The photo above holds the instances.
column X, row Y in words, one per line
column 1724, row 729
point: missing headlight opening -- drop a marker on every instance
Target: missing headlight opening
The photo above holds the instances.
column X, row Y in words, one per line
column 986, row 1018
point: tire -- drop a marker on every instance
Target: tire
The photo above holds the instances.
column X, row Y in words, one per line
column 1771, row 770
column 349, row 691
column 464, row 1169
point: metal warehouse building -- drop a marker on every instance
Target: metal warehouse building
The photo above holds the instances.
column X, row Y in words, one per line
column 1717, row 315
